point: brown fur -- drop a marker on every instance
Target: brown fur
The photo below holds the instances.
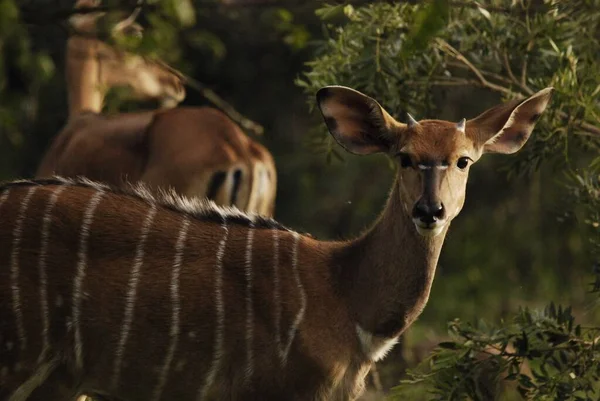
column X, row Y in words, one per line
column 317, row 367
column 358, row 295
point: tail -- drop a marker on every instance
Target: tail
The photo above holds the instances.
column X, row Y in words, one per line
column 230, row 187
column 262, row 196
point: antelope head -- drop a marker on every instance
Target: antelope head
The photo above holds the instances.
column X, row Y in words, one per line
column 433, row 156
column 93, row 67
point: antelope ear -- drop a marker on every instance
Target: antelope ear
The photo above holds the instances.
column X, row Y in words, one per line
column 506, row 128
column 86, row 22
column 356, row 121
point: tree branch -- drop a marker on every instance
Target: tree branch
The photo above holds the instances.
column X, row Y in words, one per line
column 450, row 50
column 490, row 74
column 514, row 79
column 524, row 71
column 444, row 46
column 228, row 109
column 215, row 99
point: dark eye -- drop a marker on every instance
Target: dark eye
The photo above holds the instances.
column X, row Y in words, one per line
column 462, row 163
column 405, row 160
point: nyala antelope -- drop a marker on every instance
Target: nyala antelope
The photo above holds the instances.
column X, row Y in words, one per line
column 120, row 294
column 197, row 151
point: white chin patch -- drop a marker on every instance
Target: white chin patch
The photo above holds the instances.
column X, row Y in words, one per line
column 430, row 231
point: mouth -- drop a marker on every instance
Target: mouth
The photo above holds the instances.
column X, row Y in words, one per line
column 429, row 229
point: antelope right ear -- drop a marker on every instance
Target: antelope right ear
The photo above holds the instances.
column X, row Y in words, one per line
column 356, row 121
column 506, row 128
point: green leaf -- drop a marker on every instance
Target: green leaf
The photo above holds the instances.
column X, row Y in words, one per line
column 429, row 21
column 448, row 345
column 330, row 12
column 185, row 12
column 485, row 13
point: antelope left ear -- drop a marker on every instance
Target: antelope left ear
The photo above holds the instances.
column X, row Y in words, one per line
column 506, row 128
column 356, row 121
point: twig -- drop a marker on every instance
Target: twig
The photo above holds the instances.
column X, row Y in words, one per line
column 490, row 74
column 512, row 76
column 524, row 72
column 228, row 109
column 592, row 129
column 507, row 66
column 215, row 99
column 447, row 48
column 449, row 82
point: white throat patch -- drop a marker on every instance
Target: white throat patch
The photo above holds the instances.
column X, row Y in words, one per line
column 375, row 347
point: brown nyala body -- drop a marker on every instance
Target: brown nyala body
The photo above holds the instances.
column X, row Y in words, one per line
column 197, row 151
column 122, row 295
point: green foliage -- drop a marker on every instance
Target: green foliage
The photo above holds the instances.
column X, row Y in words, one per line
column 406, row 55
column 544, row 355
column 282, row 20
column 429, row 21
column 22, row 71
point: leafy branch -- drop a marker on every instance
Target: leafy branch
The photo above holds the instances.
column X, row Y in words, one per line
column 512, row 48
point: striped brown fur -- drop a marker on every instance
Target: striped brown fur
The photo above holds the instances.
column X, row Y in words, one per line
column 153, row 298
column 112, row 239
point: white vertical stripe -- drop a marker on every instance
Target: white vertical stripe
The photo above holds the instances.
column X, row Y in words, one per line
column 45, row 239
column 276, row 294
column 220, row 311
column 300, row 314
column 134, row 278
column 4, row 196
column 175, row 325
column 82, row 256
column 249, row 306
column 14, row 268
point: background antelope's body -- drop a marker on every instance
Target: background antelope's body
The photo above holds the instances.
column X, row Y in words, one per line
column 118, row 295
column 196, row 151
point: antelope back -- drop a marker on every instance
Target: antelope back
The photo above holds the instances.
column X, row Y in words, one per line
column 106, row 148
column 214, row 158
column 133, row 297
column 208, row 156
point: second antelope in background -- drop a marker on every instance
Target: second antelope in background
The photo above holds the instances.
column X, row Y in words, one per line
column 197, row 151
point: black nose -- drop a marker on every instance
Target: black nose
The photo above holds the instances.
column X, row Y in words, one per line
column 428, row 211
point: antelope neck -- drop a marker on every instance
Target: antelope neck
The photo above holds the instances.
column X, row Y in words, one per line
column 82, row 76
column 386, row 274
